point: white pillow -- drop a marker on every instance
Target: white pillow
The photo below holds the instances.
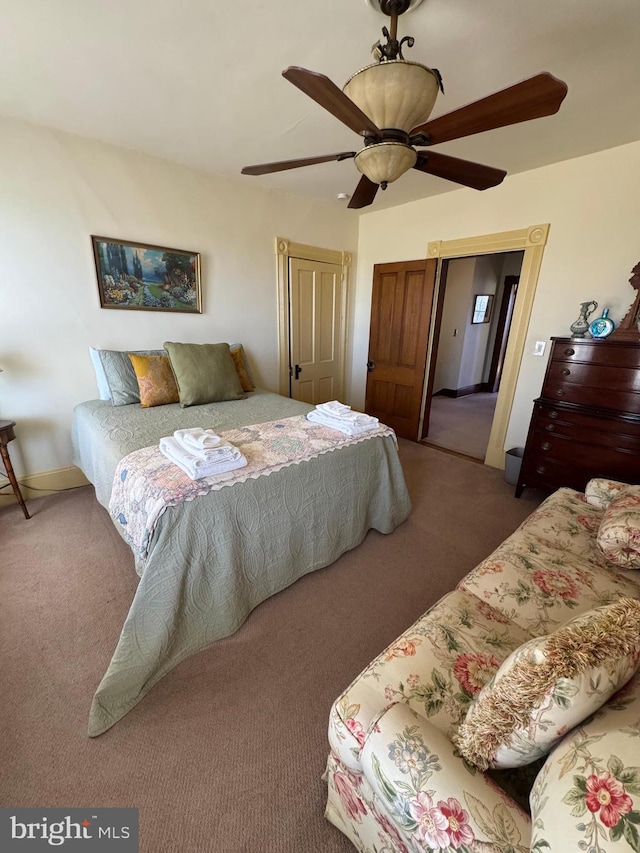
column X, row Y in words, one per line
column 101, row 377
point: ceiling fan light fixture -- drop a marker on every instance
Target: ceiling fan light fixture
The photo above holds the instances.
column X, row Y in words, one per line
column 394, row 94
column 385, row 162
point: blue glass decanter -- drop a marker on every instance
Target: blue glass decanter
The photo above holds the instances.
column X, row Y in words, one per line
column 602, row 327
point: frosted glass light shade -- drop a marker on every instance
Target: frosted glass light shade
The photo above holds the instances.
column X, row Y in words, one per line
column 385, row 162
column 394, row 94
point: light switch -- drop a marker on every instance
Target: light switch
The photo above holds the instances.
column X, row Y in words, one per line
column 455, row 333
column 539, row 348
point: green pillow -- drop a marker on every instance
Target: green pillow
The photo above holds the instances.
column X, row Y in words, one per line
column 205, row 373
column 120, row 376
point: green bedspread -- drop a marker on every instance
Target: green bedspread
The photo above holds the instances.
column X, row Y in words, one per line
column 213, row 559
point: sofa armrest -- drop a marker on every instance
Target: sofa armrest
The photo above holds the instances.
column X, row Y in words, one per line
column 587, row 795
column 431, row 794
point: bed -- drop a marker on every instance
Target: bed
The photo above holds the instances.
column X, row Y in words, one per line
column 211, row 560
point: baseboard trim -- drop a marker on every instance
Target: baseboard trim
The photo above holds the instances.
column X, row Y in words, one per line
column 461, row 392
column 47, row 483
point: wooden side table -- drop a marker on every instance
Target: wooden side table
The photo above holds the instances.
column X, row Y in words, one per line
column 6, row 435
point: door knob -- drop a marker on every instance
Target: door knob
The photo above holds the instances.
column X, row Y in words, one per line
column 297, row 371
column 370, row 366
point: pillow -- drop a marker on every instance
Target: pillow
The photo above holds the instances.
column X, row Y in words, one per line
column 242, row 368
column 155, row 380
column 205, row 373
column 599, row 491
column 101, row 377
column 549, row 685
column 120, row 375
column 619, row 532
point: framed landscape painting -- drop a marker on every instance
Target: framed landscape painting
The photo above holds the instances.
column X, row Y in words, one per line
column 141, row 277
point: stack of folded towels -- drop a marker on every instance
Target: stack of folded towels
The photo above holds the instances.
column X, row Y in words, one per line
column 201, row 453
column 339, row 416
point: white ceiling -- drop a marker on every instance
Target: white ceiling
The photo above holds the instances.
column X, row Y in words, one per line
column 199, row 81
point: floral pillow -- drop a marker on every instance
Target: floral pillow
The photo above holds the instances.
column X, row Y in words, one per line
column 599, row 491
column 549, row 685
column 156, row 382
column 619, row 533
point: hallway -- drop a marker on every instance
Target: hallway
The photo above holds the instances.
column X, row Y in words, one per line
column 462, row 424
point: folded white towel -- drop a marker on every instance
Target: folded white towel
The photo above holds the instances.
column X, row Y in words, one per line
column 334, row 407
column 197, row 468
column 343, row 413
column 343, row 426
column 197, row 438
column 221, row 451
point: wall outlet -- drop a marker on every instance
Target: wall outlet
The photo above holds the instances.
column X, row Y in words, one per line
column 539, row 348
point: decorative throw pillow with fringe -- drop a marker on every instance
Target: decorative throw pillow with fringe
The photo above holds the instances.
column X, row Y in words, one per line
column 619, row 532
column 549, row 685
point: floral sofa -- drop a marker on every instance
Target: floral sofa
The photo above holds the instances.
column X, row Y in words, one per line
column 397, row 780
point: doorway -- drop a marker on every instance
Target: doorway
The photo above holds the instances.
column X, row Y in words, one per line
column 531, row 241
column 477, row 298
column 313, row 286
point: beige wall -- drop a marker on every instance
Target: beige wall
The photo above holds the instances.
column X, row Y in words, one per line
column 55, row 191
column 593, row 206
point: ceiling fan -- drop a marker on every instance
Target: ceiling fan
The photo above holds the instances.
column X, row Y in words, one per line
column 389, row 104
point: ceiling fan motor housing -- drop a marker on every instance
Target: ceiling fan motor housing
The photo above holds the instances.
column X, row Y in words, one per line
column 396, row 94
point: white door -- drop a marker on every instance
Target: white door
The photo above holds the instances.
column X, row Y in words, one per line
column 315, row 316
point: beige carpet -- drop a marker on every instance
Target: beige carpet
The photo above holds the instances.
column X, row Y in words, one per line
column 226, row 752
column 462, row 424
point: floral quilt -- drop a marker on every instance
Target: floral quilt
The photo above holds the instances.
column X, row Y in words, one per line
column 146, row 483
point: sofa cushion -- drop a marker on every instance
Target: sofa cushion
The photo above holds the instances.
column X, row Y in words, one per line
column 551, row 568
column 619, row 532
column 437, row 666
column 589, row 787
column 549, row 685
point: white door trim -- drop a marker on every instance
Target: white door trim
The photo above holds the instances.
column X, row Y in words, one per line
column 532, row 241
column 284, row 250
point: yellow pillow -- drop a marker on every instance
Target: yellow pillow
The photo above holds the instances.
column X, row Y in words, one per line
column 155, row 380
column 237, row 354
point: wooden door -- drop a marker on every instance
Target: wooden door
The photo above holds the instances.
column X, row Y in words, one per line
column 315, row 313
column 400, row 318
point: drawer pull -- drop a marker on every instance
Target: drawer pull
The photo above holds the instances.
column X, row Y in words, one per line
column 569, row 351
column 553, row 414
column 550, row 427
column 545, row 445
column 540, row 469
column 565, row 371
column 560, row 392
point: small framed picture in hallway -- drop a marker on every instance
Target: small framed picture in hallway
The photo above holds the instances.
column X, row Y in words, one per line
column 482, row 305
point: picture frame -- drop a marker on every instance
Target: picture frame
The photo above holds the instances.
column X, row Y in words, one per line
column 482, row 308
column 144, row 277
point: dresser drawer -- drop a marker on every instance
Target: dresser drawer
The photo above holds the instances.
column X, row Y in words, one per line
column 553, row 416
column 577, row 464
column 603, row 377
column 597, row 352
column 547, row 435
column 598, row 398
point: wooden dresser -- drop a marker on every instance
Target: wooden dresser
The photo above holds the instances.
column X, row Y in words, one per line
column 586, row 422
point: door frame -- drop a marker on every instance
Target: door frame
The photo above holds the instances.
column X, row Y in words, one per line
column 532, row 241
column 286, row 249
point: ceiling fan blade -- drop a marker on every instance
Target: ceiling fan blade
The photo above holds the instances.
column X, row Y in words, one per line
column 328, row 95
column 465, row 172
column 533, row 98
column 364, row 194
column 283, row 165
